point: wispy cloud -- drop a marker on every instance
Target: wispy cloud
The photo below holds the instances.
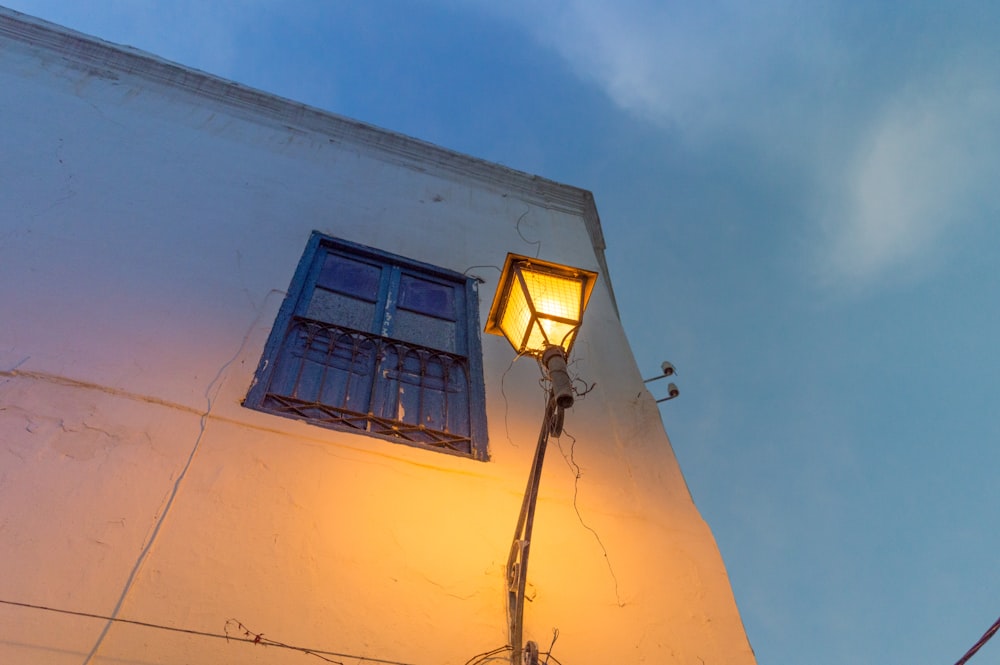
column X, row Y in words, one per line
column 890, row 132
column 681, row 64
column 923, row 166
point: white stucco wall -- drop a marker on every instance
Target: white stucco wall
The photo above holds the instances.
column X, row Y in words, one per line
column 152, row 218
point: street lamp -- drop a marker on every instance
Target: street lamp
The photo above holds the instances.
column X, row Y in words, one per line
column 538, row 307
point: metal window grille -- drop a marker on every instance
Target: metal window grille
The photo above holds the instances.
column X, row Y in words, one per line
column 349, row 379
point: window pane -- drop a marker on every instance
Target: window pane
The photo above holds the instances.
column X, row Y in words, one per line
column 431, row 298
column 350, row 368
column 409, row 403
column 326, row 366
column 341, row 310
column 458, row 398
column 349, row 277
column 288, row 365
column 420, row 387
column 424, row 330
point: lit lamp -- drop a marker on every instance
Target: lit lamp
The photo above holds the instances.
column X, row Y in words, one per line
column 538, row 307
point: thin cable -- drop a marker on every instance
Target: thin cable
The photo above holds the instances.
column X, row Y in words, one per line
column 536, row 243
column 486, row 655
column 257, row 638
column 990, row 632
column 570, row 460
column 479, row 279
column 548, row 654
column 506, row 402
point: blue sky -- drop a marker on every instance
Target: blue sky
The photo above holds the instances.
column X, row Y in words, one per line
column 800, row 202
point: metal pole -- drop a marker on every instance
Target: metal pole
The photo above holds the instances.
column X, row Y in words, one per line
column 517, row 561
column 560, row 396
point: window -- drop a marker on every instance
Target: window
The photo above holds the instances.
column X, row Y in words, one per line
column 371, row 342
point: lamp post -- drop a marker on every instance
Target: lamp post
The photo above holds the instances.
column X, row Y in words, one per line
column 538, row 307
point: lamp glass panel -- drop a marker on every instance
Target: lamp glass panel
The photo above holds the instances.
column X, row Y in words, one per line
column 558, row 332
column 554, row 296
column 545, row 332
column 516, row 316
column 536, row 340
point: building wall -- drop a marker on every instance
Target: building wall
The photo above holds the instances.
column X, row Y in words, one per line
column 152, row 218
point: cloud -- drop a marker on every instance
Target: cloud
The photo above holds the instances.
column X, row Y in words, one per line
column 885, row 115
column 686, row 65
column 923, row 168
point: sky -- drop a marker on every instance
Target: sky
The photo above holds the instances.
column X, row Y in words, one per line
column 800, row 204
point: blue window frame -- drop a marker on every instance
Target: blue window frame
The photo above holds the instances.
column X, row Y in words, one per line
column 367, row 341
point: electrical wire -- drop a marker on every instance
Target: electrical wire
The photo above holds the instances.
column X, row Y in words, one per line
column 578, row 473
column 259, row 639
column 479, row 279
column 484, row 657
column 990, row 632
column 250, row 638
column 488, row 656
column 506, row 402
column 548, row 654
column 517, row 227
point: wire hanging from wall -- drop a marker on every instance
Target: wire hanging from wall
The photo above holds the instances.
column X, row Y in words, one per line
column 570, row 459
column 258, row 639
column 248, row 636
column 499, row 655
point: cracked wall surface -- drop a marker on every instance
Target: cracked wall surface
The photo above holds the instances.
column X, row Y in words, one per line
column 152, row 220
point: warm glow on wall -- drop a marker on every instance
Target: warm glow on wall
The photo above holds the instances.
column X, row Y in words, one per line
column 539, row 304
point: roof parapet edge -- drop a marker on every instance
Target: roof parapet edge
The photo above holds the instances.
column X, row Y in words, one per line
column 107, row 57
